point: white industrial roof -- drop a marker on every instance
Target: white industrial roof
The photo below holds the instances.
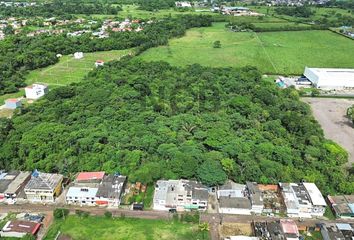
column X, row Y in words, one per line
column 327, row 77
column 78, row 192
column 315, row 194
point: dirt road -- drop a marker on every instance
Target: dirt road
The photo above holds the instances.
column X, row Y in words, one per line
column 331, row 114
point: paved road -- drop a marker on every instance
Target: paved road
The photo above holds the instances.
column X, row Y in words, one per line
column 214, row 219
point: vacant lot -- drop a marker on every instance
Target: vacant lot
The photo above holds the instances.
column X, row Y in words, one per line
column 69, row 70
column 100, row 228
column 330, row 113
column 271, row 52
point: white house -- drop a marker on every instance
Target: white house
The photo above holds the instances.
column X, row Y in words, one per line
column 99, row 63
column 81, row 195
column 183, row 4
column 180, row 195
column 78, row 55
column 330, row 78
column 36, row 91
column 302, row 200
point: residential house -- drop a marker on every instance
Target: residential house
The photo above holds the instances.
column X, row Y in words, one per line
column 43, row 187
column 36, row 91
column 96, row 188
column 302, row 200
column 289, row 229
column 19, row 229
column 81, row 195
column 99, row 63
column 183, row 4
column 83, row 190
column 110, row 190
column 15, row 189
column 330, row 231
column 242, row 199
column 342, row 205
column 12, row 103
column 180, row 195
column 78, row 55
column 89, row 177
column 278, row 230
column 5, row 180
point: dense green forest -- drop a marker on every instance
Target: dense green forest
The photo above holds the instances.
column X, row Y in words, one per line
column 20, row 53
column 58, row 9
column 302, row 11
column 152, row 121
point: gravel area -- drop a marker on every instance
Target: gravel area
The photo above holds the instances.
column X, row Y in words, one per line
column 331, row 114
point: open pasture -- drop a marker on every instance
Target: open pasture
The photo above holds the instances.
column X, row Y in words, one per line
column 69, row 70
column 272, row 52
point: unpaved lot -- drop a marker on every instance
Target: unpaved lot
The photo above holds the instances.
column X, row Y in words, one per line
column 331, row 114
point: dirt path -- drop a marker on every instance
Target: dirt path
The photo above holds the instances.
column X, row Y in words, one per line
column 331, row 114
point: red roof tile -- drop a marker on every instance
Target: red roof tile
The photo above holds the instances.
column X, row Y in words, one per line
column 85, row 176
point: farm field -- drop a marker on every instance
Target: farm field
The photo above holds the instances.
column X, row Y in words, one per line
column 69, row 70
column 272, row 52
column 128, row 228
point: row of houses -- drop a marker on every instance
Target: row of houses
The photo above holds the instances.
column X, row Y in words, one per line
column 89, row 188
column 286, row 229
column 35, row 187
column 296, row 200
column 96, row 188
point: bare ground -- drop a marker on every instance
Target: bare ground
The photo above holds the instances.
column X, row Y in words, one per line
column 331, row 114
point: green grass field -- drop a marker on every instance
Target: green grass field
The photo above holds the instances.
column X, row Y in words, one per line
column 100, row 228
column 271, row 52
column 70, row 70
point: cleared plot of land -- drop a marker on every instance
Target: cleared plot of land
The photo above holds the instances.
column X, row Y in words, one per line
column 69, row 70
column 331, row 114
column 100, row 228
column 271, row 52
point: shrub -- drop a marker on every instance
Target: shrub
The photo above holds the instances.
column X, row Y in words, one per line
column 59, row 213
column 108, row 214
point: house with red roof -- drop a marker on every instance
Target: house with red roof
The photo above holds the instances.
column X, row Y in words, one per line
column 12, row 103
column 19, row 228
column 89, row 177
column 99, row 63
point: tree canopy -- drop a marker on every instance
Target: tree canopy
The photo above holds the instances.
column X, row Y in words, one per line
column 151, row 121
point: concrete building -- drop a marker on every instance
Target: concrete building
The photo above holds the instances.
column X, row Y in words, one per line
column 180, row 195
column 82, row 196
column 89, row 177
column 330, row 78
column 96, row 188
column 183, row 4
column 240, row 199
column 19, row 229
column 5, row 180
column 78, row 55
column 14, row 190
column 338, row 231
column 302, row 200
column 110, row 190
column 99, row 63
column 36, row 91
column 342, row 206
column 279, row 230
column 43, row 187
column 12, row 103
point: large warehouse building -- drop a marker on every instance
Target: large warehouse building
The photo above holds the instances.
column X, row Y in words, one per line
column 330, row 78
